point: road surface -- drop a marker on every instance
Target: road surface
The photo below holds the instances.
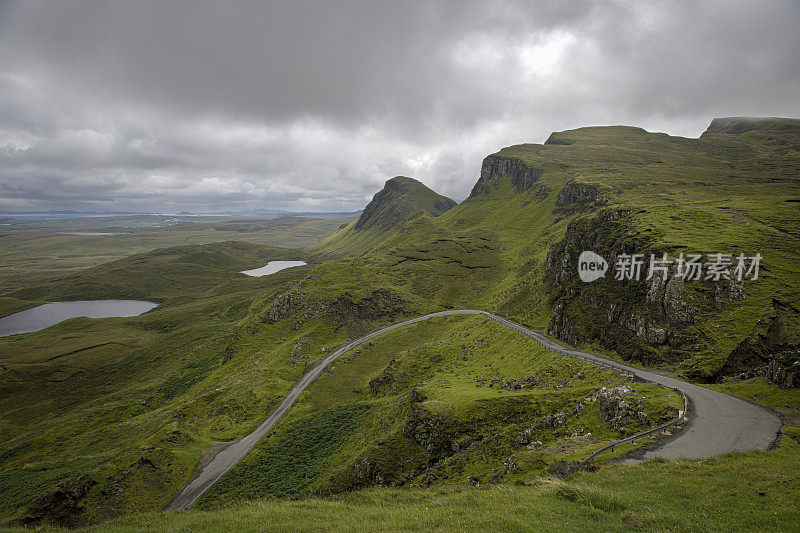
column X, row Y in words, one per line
column 718, row 423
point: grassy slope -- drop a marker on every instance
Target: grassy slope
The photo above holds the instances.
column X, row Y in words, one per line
column 360, row 414
column 741, row 186
column 736, row 492
column 110, row 392
column 744, row 186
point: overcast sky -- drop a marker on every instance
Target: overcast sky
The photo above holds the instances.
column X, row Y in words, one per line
column 200, row 106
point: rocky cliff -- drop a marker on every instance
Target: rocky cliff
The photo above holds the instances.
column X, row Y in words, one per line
column 494, row 167
column 654, row 320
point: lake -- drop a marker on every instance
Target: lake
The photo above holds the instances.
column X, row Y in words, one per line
column 47, row 315
column 272, row 267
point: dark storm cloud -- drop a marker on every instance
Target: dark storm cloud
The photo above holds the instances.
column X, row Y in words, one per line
column 311, row 105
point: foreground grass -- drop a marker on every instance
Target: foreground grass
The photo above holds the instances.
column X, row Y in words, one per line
column 758, row 390
column 735, row 492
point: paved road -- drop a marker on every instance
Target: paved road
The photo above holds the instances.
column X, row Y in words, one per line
column 718, row 423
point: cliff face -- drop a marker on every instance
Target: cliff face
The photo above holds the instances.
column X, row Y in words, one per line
column 574, row 197
column 398, row 202
column 648, row 320
column 494, row 167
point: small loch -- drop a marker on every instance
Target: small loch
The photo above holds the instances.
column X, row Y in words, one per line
column 272, row 267
column 50, row 314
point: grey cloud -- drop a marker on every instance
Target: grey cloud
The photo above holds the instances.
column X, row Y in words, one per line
column 298, row 104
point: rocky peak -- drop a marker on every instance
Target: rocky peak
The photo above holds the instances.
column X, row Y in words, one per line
column 400, row 200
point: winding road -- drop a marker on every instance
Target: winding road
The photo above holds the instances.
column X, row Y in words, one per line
column 718, row 423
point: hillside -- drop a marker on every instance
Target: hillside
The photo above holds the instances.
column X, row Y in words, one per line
column 618, row 190
column 401, row 201
column 455, row 401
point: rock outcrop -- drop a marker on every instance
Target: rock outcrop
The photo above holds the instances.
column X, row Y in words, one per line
column 619, row 410
column 772, row 350
column 283, row 305
column 61, row 506
column 648, row 319
column 494, row 167
column 785, row 371
column 357, row 315
column 557, row 139
column 575, row 196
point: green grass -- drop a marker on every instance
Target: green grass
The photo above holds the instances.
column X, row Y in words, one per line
column 289, row 460
column 402, row 203
column 159, row 386
column 756, row 491
column 760, row 391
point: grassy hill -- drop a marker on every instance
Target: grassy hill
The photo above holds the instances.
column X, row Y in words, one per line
column 401, row 202
column 130, row 404
column 115, row 397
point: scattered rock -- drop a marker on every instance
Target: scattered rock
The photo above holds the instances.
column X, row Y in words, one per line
column 509, row 465
column 524, row 436
column 616, row 409
column 554, row 421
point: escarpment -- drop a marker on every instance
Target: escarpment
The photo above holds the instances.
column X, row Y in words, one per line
column 494, row 167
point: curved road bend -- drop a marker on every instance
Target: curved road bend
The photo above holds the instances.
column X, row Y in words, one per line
column 719, row 423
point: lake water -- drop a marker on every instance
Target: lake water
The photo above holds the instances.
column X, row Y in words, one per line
column 47, row 315
column 272, row 267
